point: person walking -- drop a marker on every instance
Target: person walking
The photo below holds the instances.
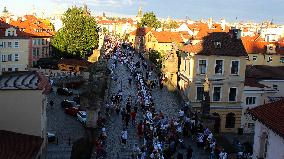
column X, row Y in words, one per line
column 51, row 104
column 133, row 117
column 189, row 153
column 124, row 137
column 127, row 119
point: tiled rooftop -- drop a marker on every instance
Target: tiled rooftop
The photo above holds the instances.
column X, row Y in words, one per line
column 24, row 80
column 19, row 146
column 271, row 115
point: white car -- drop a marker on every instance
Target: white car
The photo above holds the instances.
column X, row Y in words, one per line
column 82, row 117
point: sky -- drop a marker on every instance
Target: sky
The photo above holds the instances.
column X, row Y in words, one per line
column 230, row 10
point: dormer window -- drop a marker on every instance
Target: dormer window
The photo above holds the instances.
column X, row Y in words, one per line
column 217, row 44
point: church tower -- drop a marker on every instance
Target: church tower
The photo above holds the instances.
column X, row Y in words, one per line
column 140, row 13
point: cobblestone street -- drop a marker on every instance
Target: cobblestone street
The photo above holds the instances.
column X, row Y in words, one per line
column 164, row 100
column 64, row 126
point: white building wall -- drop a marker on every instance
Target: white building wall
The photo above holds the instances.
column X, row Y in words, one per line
column 280, row 86
column 261, row 95
column 275, row 147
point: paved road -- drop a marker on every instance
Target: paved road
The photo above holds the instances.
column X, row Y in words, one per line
column 64, row 126
column 164, row 100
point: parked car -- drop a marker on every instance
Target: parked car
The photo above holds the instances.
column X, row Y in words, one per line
column 72, row 111
column 64, row 91
column 69, row 103
column 51, row 137
column 82, row 117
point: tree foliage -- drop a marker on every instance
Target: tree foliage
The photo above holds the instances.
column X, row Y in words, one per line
column 149, row 19
column 78, row 35
column 156, row 57
column 170, row 25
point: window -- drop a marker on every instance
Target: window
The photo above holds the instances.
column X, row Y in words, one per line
column 281, row 59
column 251, row 125
column 16, row 57
column 34, row 41
column 37, row 51
column 235, row 68
column 199, row 93
column 250, row 100
column 10, row 69
column 275, row 87
column 38, row 41
column 217, row 44
column 2, row 44
column 3, row 58
column 16, row 44
column 217, row 94
column 16, row 69
column 230, row 120
column 34, row 51
column 219, row 67
column 10, row 57
column 269, row 59
column 254, row 58
column 43, row 41
column 10, row 44
column 202, row 67
column 233, row 94
column 184, row 64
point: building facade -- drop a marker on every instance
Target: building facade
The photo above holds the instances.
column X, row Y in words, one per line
column 220, row 56
column 269, row 134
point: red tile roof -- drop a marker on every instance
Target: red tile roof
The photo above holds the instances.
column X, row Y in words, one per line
column 255, row 45
column 204, row 30
column 271, row 115
column 167, row 37
column 19, row 146
column 261, row 72
column 252, row 82
column 30, row 25
column 229, row 46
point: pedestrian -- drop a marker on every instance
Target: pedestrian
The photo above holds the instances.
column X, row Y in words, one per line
column 129, row 80
column 123, row 114
column 51, row 103
column 179, row 155
column 140, row 129
column 127, row 119
column 133, row 117
column 124, row 137
column 189, row 153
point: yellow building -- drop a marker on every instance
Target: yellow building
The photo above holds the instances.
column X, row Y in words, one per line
column 23, row 109
column 261, row 52
column 14, row 50
column 162, row 41
column 73, row 65
column 222, row 57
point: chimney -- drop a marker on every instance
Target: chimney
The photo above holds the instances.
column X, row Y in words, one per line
column 236, row 33
column 223, row 24
column 210, row 23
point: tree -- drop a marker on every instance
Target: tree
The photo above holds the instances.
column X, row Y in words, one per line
column 149, row 19
column 156, row 57
column 78, row 35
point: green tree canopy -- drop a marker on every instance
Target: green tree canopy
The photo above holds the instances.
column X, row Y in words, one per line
column 149, row 19
column 78, row 35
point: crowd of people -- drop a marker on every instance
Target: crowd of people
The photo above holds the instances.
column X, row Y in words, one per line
column 161, row 136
